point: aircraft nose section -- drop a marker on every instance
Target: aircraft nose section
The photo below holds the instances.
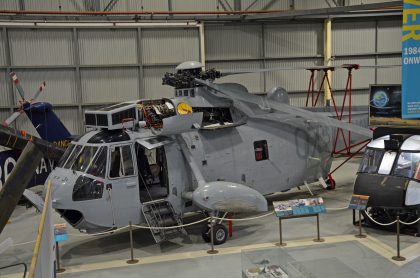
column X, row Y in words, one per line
column 62, row 187
column 229, row 196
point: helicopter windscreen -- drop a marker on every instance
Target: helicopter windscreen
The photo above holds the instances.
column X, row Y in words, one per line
column 84, row 159
column 408, row 165
column 371, row 161
column 66, row 155
column 98, row 166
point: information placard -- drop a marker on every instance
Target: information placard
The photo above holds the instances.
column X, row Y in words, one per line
column 60, row 232
column 299, row 207
column 411, row 60
column 358, row 202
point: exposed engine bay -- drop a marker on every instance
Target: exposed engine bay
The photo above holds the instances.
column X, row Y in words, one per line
column 154, row 111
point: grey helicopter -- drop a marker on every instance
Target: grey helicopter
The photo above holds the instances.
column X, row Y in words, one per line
column 212, row 148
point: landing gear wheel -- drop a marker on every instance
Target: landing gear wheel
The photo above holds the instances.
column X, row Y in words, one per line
column 205, row 233
column 220, row 234
column 330, row 184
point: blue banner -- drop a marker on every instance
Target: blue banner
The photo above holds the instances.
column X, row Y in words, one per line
column 411, row 60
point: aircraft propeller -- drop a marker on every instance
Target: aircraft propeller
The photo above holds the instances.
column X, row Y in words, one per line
column 23, row 103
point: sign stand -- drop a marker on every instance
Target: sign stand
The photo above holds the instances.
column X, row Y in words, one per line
column 280, row 243
column 318, row 239
column 360, row 235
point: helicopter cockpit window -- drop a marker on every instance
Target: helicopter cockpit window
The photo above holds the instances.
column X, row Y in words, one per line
column 73, row 156
column 98, row 166
column 84, row 159
column 66, row 155
column 121, row 162
column 371, row 161
column 408, row 165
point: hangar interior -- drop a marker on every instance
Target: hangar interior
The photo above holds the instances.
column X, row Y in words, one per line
column 94, row 53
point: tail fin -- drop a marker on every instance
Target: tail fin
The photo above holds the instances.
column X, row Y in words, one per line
column 46, row 122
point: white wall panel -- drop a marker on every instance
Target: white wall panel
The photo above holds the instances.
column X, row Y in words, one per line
column 291, row 40
column 153, row 83
column 362, row 77
column 3, row 42
column 41, row 47
column 353, row 37
column 70, row 118
column 136, row 5
column 389, row 35
column 170, row 45
column 389, row 75
column 109, row 85
column 116, row 46
column 54, row 5
column 312, row 4
column 232, row 42
column 4, row 89
column 265, row 4
column 194, row 5
column 291, row 80
column 60, row 85
column 9, row 4
column 253, row 81
column 359, row 98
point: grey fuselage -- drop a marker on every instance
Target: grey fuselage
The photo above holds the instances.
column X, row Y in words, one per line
column 296, row 151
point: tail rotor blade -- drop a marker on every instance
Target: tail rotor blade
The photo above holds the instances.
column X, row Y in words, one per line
column 12, row 118
column 17, row 84
column 40, row 89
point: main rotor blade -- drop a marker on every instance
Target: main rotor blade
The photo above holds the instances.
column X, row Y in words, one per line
column 40, row 89
column 12, row 118
column 17, row 84
column 312, row 68
column 266, row 103
column 15, row 139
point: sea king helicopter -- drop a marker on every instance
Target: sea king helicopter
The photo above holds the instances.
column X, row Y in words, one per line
column 213, row 148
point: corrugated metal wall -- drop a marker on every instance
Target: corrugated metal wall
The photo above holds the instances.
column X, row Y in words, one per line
column 86, row 67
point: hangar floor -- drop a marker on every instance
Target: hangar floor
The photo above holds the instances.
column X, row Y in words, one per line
column 341, row 255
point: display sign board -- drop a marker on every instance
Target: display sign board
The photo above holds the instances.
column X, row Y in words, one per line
column 411, row 60
column 299, row 207
column 358, row 202
column 60, row 232
column 385, row 106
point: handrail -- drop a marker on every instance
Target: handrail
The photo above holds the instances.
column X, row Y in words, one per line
column 40, row 231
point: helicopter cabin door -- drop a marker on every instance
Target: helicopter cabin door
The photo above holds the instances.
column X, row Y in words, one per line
column 153, row 173
column 122, row 185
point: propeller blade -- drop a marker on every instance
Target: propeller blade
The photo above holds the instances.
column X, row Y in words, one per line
column 40, row 89
column 12, row 118
column 266, row 103
column 17, row 84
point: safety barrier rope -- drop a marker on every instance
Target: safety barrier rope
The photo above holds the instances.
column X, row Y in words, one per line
column 381, row 224
column 335, row 209
column 245, row 219
column 410, row 223
column 171, row 227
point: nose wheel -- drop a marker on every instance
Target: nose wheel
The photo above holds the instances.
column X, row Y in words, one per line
column 220, row 233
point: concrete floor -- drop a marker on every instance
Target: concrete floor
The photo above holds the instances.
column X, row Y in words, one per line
column 104, row 256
